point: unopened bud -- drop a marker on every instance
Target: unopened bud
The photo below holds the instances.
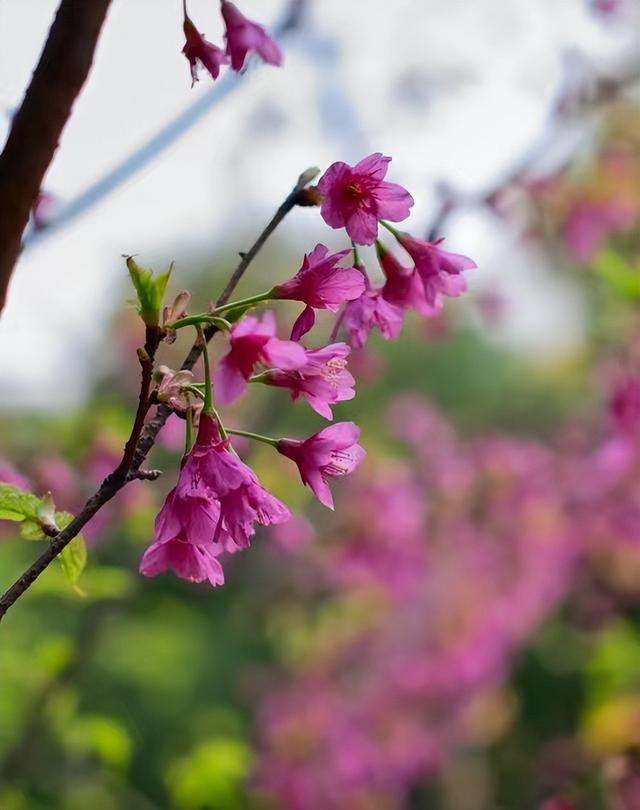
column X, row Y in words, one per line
column 150, row 290
column 307, row 176
column 178, row 309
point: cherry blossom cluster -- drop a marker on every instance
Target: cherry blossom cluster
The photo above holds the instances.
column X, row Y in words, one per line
column 242, row 38
column 218, row 500
column 417, row 615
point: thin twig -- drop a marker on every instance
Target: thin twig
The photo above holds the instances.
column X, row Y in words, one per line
column 37, row 126
column 143, row 435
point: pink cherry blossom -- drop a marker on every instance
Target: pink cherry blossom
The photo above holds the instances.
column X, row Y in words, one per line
column 197, row 49
column 320, row 285
column 371, row 311
column 186, row 560
column 357, row 197
column 441, row 272
column 243, row 36
column 403, row 286
column 322, row 381
column 243, row 500
column 252, row 342
column 333, row 451
column 213, row 508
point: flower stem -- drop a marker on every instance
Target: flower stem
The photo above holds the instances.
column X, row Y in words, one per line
column 199, row 318
column 208, row 395
column 356, row 256
column 244, row 302
column 391, row 229
column 188, row 437
column 256, row 436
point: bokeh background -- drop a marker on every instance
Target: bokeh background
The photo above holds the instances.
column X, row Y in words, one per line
column 464, row 632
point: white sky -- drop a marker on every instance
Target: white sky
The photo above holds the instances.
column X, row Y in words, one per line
column 452, row 89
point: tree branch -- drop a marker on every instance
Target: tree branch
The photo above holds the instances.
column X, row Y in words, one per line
column 37, row 126
column 143, row 435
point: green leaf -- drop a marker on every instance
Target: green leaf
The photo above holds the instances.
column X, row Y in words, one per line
column 73, row 556
column 150, row 290
column 30, row 530
column 16, row 504
column 621, row 277
column 233, row 315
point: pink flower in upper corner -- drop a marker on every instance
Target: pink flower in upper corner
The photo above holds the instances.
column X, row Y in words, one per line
column 606, row 6
column 332, row 452
column 320, row 284
column 322, row 381
column 197, row 49
column 252, row 342
column 441, row 272
column 403, row 286
column 357, row 197
column 371, row 311
column 589, row 225
column 213, row 508
column 244, row 36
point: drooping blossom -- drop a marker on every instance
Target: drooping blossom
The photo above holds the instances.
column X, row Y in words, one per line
column 198, row 50
column 357, row 197
column 403, row 286
column 213, row 508
column 441, row 271
column 322, row 381
column 332, row 452
column 243, row 36
column 252, row 342
column 320, row 284
column 186, row 560
column 371, row 311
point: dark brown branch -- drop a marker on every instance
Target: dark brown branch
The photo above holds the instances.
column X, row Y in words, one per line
column 37, row 126
column 143, row 435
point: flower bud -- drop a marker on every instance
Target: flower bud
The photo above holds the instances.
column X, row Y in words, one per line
column 150, row 290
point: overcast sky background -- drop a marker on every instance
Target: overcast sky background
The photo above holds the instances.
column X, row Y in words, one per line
column 454, row 90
